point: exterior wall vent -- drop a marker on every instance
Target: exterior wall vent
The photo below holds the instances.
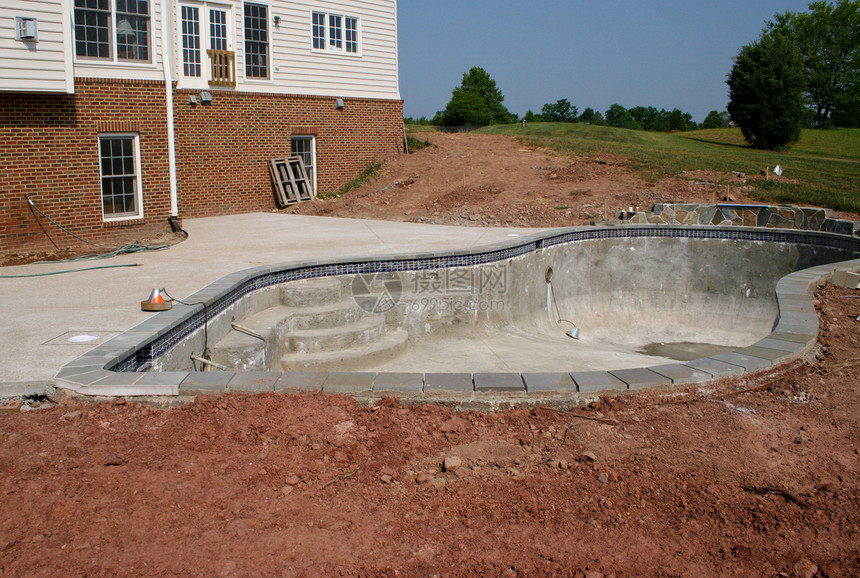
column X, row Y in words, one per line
column 25, row 28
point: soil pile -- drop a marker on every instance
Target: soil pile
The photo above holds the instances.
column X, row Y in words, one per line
column 744, row 478
column 493, row 180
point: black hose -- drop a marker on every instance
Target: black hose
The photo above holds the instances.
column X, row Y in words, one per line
column 205, row 353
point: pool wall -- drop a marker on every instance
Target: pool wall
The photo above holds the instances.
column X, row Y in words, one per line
column 603, row 259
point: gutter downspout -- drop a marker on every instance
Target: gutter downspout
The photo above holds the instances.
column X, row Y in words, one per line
column 168, row 86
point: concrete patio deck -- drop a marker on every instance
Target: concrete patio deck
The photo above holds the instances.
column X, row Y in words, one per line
column 42, row 313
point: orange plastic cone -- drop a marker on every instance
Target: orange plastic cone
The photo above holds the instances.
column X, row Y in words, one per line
column 155, row 302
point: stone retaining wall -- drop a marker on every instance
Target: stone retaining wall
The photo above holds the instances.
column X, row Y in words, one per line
column 770, row 216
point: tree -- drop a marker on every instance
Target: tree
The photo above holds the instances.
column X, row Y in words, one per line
column 766, row 92
column 531, row 117
column 421, row 120
column 480, row 86
column 716, row 120
column 828, row 37
column 677, row 120
column 591, row 117
column 466, row 108
column 649, row 118
column 847, row 114
column 620, row 117
column 561, row 111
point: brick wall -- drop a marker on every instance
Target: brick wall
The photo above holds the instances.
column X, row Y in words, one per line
column 227, row 144
column 49, row 150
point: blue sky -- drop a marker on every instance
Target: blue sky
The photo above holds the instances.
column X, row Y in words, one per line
column 662, row 53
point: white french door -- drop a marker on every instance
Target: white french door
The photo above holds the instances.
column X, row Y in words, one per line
column 206, row 45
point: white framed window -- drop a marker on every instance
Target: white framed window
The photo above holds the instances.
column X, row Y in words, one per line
column 305, row 147
column 119, row 161
column 351, row 31
column 334, row 33
column 113, row 30
column 256, row 26
column 206, row 44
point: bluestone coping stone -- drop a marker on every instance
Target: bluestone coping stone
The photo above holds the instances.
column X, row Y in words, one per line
column 548, row 382
column 640, row 377
column 780, row 345
column 206, row 381
column 349, row 382
column 715, row 367
column 301, row 380
column 459, row 382
column 679, row 373
column 748, row 362
column 587, row 381
column 511, row 382
column 254, row 381
column 400, row 382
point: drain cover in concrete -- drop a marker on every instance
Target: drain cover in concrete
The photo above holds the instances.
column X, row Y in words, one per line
column 82, row 337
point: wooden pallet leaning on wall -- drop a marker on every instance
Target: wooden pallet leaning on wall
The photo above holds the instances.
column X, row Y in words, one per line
column 291, row 180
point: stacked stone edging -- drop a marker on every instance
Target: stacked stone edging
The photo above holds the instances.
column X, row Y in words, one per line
column 733, row 215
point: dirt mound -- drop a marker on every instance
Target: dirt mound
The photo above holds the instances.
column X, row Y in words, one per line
column 757, row 477
column 493, row 180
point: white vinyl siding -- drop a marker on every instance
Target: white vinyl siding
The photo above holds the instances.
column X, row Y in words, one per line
column 304, row 68
column 292, row 64
column 44, row 65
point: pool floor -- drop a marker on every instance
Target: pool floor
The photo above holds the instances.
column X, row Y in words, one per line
column 528, row 351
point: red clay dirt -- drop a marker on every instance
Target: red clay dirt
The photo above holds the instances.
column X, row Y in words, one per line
column 494, row 180
column 757, row 477
column 752, row 477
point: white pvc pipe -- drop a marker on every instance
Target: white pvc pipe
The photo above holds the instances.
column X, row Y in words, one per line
column 168, row 86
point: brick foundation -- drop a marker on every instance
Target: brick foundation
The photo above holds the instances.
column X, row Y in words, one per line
column 49, row 150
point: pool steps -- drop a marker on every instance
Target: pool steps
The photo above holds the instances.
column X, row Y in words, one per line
column 315, row 325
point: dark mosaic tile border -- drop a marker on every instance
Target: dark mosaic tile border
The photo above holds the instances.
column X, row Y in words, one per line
column 144, row 356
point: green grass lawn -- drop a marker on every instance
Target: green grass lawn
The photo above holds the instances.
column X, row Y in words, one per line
column 825, row 163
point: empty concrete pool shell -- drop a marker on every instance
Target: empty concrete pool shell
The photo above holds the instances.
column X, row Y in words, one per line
column 653, row 305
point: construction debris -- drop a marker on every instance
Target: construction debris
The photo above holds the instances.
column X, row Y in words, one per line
column 291, row 180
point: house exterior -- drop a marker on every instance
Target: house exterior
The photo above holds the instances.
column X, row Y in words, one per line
column 118, row 114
